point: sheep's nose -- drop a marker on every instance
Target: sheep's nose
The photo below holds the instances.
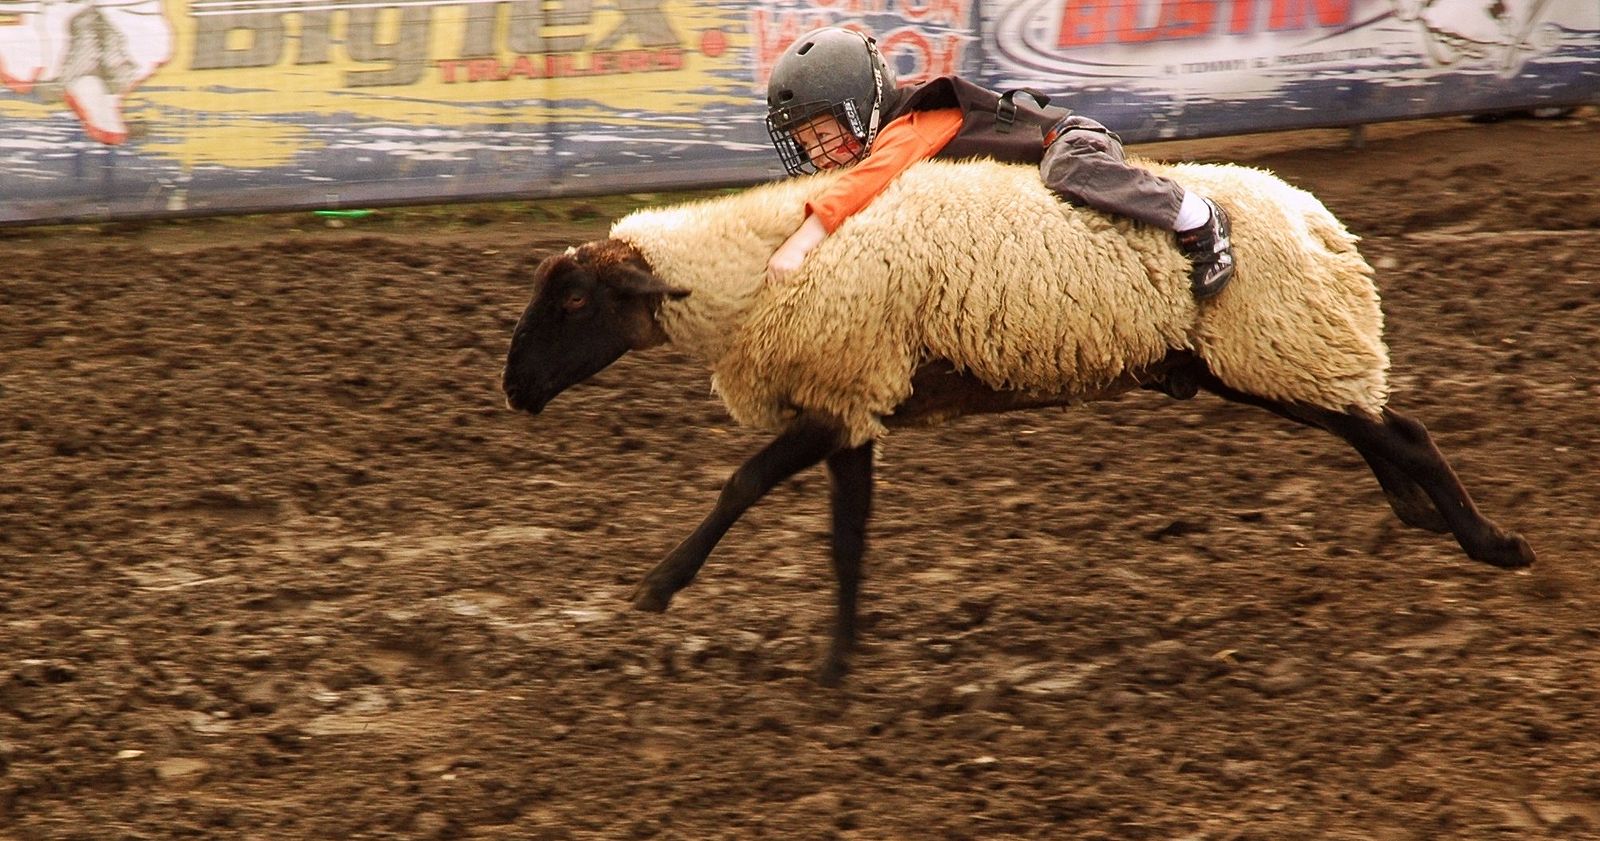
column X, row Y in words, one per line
column 517, row 400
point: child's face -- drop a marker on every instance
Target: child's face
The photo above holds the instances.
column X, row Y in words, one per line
column 827, row 142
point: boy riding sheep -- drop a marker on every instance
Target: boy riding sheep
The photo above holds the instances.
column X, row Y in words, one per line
column 832, row 102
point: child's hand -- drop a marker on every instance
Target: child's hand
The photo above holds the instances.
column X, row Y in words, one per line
column 792, row 254
column 784, row 263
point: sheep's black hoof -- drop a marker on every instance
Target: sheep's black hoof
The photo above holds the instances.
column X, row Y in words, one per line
column 1509, row 551
column 647, row 598
column 832, row 672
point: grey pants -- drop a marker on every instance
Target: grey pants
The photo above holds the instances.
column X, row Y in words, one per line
column 1085, row 166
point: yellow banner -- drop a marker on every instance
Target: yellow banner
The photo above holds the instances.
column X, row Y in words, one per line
column 241, row 82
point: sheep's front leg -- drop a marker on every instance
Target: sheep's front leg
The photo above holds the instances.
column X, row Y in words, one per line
column 852, row 504
column 795, row 450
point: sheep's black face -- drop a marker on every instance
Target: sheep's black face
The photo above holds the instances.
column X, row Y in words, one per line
column 568, row 333
column 590, row 306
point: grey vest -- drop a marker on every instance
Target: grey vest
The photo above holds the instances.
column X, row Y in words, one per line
column 1007, row 127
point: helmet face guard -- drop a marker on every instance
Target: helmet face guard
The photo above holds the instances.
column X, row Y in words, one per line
column 818, row 135
column 826, row 98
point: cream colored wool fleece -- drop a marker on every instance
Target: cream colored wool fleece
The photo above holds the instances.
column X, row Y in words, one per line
column 980, row 264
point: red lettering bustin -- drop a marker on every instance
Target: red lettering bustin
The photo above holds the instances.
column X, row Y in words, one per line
column 1088, row 23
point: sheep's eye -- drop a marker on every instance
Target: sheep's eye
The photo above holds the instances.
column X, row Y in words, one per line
column 575, row 301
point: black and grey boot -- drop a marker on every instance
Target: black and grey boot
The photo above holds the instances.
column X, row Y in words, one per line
column 1209, row 252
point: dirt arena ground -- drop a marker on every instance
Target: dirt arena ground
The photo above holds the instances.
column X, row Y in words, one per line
column 278, row 564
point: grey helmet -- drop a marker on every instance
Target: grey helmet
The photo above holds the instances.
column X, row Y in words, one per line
column 833, row 71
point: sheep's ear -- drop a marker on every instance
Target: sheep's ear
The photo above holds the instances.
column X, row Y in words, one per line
column 631, row 281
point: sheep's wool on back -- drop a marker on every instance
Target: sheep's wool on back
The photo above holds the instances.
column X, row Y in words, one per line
column 979, row 264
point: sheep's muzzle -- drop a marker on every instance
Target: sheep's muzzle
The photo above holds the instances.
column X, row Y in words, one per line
column 518, row 398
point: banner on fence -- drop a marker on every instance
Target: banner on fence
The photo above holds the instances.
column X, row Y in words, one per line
column 1183, row 68
column 138, row 107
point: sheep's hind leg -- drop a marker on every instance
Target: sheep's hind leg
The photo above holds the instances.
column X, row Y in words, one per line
column 1408, row 500
column 1405, row 461
column 796, row 449
column 851, row 471
column 1405, row 443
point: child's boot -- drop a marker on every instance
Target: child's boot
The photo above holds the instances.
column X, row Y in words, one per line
column 1209, row 252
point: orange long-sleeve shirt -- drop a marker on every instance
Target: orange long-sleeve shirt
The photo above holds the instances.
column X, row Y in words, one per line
column 904, row 141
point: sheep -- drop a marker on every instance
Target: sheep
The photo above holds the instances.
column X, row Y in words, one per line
column 969, row 288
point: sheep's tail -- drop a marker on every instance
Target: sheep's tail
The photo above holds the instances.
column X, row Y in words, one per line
column 1333, row 234
column 1326, row 228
